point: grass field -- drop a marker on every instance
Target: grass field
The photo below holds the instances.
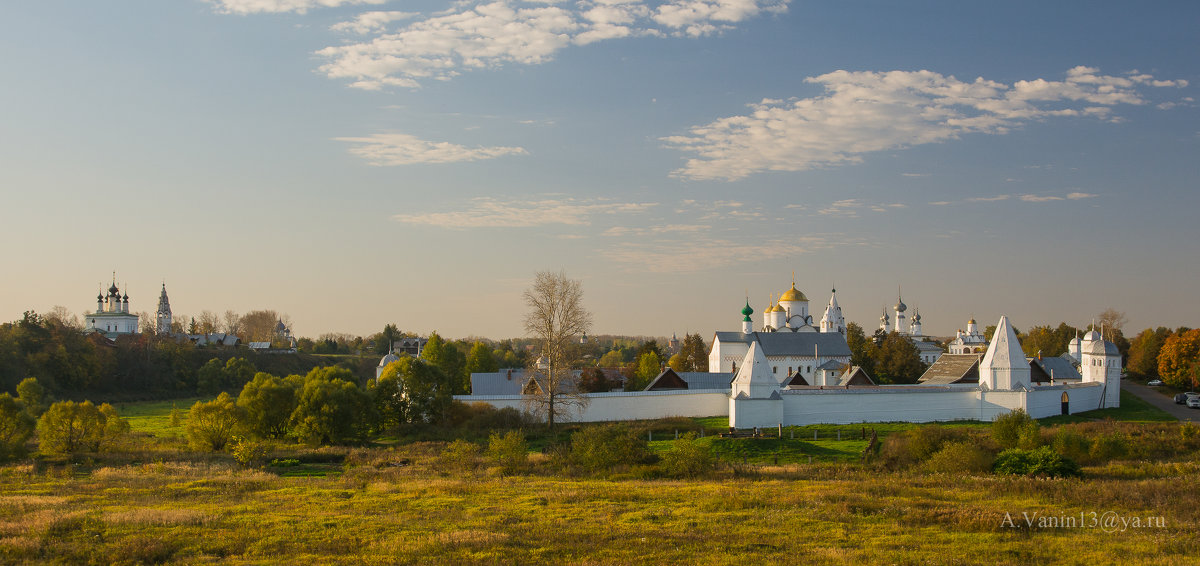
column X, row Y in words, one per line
column 392, row 504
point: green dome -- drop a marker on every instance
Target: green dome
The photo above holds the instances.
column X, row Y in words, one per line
column 747, row 311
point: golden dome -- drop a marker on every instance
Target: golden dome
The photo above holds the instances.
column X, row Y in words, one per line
column 793, row 294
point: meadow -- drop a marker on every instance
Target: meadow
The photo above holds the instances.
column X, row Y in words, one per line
column 154, row 502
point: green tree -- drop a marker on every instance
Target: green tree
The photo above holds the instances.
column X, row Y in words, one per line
column 425, row 390
column 330, row 409
column 594, row 380
column 447, row 358
column 16, row 426
column 385, row 339
column 115, row 427
column 68, row 427
column 33, row 396
column 1048, row 341
column 862, row 349
column 481, row 360
column 212, row 424
column 1144, row 350
column 210, row 378
column 612, row 359
column 649, row 366
column 897, row 360
column 1177, row 360
column 693, row 355
column 268, row 402
column 387, row 394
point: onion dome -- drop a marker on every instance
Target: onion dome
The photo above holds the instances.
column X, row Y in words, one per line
column 917, row 317
column 747, row 311
column 972, row 321
column 792, row 294
column 114, row 290
column 100, row 296
column 900, row 306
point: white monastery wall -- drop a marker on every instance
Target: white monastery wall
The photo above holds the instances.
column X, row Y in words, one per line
column 628, row 405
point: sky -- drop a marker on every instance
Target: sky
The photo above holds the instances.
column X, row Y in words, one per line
column 354, row 163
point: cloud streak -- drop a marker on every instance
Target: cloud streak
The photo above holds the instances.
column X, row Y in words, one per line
column 283, row 6
column 864, row 112
column 487, row 212
column 474, row 36
column 403, row 149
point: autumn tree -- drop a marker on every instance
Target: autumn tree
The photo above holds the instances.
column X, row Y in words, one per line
column 648, row 367
column 1144, row 350
column 1048, row 341
column 68, row 427
column 556, row 317
column 33, row 396
column 212, row 424
column 331, row 408
column 692, row 356
column 16, row 426
column 411, row 390
column 268, row 402
column 1178, row 359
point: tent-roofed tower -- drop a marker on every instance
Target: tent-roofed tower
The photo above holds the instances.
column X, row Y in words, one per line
column 163, row 316
column 1004, row 366
column 832, row 320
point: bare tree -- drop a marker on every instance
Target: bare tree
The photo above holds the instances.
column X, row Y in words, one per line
column 1111, row 319
column 556, row 317
column 208, row 322
column 65, row 317
column 232, row 323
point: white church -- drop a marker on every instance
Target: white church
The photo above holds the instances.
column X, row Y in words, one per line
column 112, row 317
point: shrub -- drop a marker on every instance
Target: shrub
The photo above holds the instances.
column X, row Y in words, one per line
column 688, row 457
column 458, row 456
column 16, row 426
column 484, row 417
column 68, row 427
column 1071, row 444
column 508, row 451
column 249, row 453
column 176, row 416
column 599, row 448
column 212, row 425
column 916, row 445
column 959, row 458
column 1110, row 446
column 115, row 427
column 1041, row 462
column 1007, row 429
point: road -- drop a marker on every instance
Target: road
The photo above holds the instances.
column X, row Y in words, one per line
column 1152, row 396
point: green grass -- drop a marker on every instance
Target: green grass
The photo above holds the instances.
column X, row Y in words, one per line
column 1132, row 409
column 154, row 417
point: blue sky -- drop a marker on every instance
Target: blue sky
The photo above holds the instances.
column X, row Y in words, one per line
column 358, row 162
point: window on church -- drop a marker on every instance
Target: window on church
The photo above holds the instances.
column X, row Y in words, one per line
column 774, row 369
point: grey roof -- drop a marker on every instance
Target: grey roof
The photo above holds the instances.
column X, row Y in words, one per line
column 927, row 346
column 832, row 365
column 706, row 380
column 952, row 368
column 1059, row 367
column 857, row 376
column 498, row 382
column 792, row 343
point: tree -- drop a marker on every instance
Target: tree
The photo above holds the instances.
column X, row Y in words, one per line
column 331, row 408
column 648, row 367
column 1144, row 350
column 68, row 427
column 1048, row 341
column 231, row 323
column 897, row 360
column 63, row 316
column 115, row 427
column 447, row 358
column 211, row 425
column 594, row 380
column 693, row 354
column 1178, row 358
column 413, row 390
column 208, row 322
column 862, row 349
column 612, row 359
column 16, row 426
column 259, row 326
column 33, row 396
column 481, row 360
column 268, row 403
column 385, row 339
column 1111, row 319
column 556, row 316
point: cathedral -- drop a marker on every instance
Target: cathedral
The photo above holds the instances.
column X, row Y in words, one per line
column 112, row 317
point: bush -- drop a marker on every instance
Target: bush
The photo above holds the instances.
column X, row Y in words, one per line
column 1008, row 429
column 16, row 426
column 484, row 417
column 68, row 427
column 249, row 453
column 212, row 425
column 688, row 457
column 509, row 451
column 1110, row 446
column 1071, row 444
column 115, row 427
column 1041, row 462
column 458, row 456
column 916, row 445
column 600, row 448
column 959, row 458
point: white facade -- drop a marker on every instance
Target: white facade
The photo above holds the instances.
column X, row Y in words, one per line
column 112, row 317
column 970, row 342
column 163, row 316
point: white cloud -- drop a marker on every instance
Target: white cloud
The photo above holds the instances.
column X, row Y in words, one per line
column 281, row 6
column 863, row 112
column 704, row 254
column 1040, row 198
column 996, row 198
column 404, row 149
column 372, row 22
column 1079, row 196
column 644, row 231
column 473, row 36
column 494, row 213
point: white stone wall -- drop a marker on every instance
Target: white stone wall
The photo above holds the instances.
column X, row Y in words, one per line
column 629, row 405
